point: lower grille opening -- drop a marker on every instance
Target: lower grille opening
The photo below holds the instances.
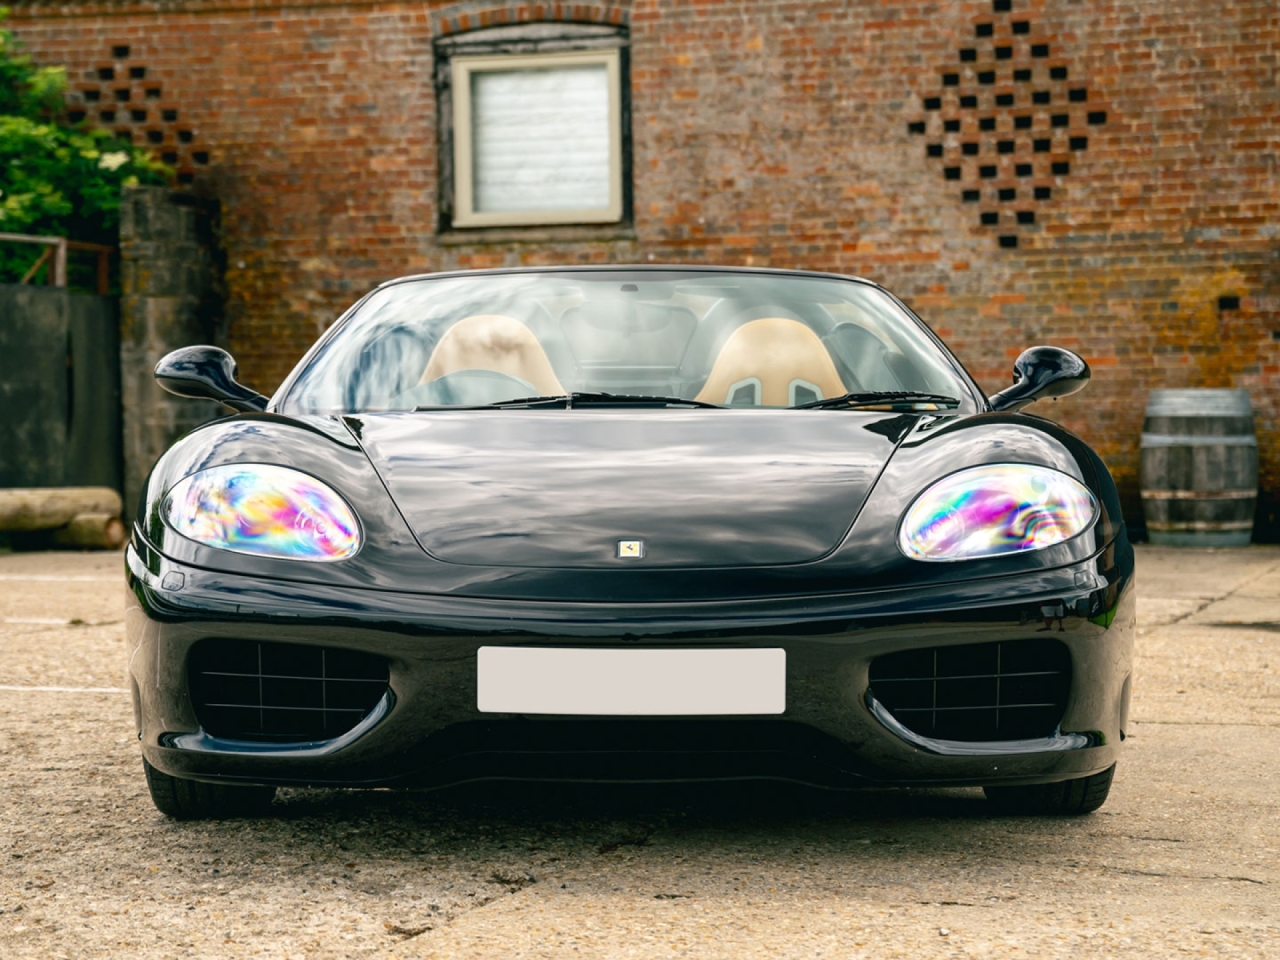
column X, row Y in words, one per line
column 282, row 692
column 1010, row 690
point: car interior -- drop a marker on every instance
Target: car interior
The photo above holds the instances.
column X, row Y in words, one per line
column 774, row 360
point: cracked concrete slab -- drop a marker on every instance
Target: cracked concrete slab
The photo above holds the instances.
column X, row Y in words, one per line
column 1211, row 587
column 1239, row 611
column 1170, row 572
column 1161, row 610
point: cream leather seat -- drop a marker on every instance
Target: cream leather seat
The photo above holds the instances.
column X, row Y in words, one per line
column 494, row 342
column 772, row 362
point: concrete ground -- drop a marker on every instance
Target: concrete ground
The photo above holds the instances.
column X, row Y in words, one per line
column 1182, row 860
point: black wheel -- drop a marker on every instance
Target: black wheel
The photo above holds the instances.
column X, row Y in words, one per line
column 1067, row 797
column 194, row 800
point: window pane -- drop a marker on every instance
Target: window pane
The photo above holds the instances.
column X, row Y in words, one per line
column 540, row 139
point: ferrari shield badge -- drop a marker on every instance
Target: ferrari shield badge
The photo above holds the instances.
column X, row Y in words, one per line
column 630, row 549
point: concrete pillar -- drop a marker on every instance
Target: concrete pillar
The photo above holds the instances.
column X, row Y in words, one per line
column 170, row 283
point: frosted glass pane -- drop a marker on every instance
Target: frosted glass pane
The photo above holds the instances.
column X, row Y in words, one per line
column 540, row 139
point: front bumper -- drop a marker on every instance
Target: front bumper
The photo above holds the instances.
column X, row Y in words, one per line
column 428, row 730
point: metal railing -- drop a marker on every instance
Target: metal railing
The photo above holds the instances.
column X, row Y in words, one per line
column 55, row 256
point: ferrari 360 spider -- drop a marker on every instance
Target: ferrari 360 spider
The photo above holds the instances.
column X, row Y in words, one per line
column 629, row 523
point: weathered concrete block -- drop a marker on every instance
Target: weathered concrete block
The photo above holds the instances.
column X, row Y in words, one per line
column 151, row 215
column 33, row 377
column 166, row 279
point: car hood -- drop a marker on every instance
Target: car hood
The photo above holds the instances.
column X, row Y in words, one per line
column 561, row 488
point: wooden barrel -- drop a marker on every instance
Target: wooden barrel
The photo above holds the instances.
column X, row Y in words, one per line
column 1199, row 468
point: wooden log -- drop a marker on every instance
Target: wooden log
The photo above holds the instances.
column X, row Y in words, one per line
column 46, row 508
column 95, row 531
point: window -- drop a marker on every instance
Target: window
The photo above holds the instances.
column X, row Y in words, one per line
column 534, row 127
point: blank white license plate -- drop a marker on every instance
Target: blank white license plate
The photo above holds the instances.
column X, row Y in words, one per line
column 649, row 683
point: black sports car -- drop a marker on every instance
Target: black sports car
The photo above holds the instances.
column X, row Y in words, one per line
column 629, row 523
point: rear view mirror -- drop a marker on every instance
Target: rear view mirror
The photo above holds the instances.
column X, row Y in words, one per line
column 207, row 373
column 1041, row 372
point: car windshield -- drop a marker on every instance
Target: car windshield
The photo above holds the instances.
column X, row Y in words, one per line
column 734, row 339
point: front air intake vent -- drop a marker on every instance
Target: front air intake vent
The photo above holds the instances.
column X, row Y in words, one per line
column 282, row 692
column 1011, row 690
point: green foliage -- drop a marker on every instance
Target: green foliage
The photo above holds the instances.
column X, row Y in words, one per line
column 66, row 182
column 55, row 179
column 25, row 89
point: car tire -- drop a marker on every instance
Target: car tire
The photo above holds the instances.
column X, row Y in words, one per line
column 1065, row 798
column 185, row 799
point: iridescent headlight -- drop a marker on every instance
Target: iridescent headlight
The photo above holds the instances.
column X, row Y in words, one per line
column 263, row 510
column 995, row 509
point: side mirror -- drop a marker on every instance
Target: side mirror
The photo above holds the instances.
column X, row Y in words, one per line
column 207, row 373
column 1041, row 372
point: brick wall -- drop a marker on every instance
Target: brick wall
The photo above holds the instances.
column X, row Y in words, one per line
column 1146, row 220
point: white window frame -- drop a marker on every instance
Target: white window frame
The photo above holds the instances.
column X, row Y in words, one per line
column 464, row 214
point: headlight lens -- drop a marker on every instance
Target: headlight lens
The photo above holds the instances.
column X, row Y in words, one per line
column 995, row 509
column 263, row 510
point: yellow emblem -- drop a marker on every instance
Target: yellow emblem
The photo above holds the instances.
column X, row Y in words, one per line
column 630, row 548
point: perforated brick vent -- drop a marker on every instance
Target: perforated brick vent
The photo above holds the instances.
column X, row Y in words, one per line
column 122, row 91
column 1010, row 690
column 1016, row 88
column 282, row 692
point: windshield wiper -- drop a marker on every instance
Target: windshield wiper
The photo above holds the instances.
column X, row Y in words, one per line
column 872, row 398
column 576, row 399
column 610, row 399
column 556, row 400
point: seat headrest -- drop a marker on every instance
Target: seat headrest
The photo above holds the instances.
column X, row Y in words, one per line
column 777, row 352
column 493, row 341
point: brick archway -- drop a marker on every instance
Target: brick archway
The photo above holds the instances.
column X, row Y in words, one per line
column 477, row 14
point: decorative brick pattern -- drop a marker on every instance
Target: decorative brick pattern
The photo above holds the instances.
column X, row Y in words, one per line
column 128, row 98
column 774, row 133
column 1009, row 100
